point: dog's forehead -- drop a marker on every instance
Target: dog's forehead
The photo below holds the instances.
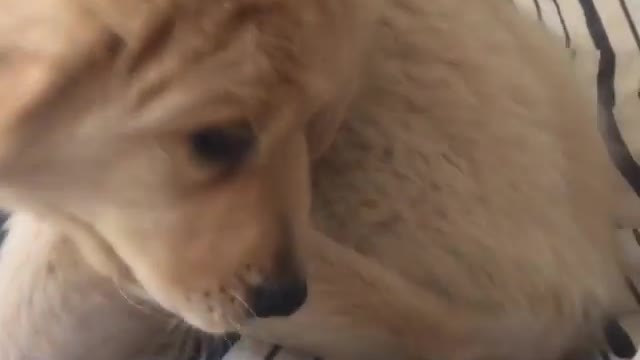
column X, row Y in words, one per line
column 134, row 20
column 204, row 56
column 205, row 83
column 197, row 61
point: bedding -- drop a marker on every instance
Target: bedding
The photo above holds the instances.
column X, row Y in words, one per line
column 602, row 38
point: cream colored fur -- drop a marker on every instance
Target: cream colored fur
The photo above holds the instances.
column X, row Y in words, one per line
column 55, row 306
column 466, row 192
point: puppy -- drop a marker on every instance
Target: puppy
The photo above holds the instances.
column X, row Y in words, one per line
column 467, row 191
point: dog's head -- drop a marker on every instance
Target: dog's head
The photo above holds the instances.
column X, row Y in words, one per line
column 172, row 138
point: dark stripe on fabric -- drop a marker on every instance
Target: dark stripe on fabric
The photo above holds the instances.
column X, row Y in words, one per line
column 4, row 216
column 633, row 290
column 538, row 11
column 618, row 149
column 565, row 30
column 224, row 344
column 632, row 25
column 196, row 352
column 275, row 350
column 212, row 347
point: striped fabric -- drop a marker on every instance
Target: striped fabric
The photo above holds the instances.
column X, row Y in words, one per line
column 603, row 37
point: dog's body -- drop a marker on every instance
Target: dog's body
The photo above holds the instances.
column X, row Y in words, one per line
column 467, row 173
column 57, row 307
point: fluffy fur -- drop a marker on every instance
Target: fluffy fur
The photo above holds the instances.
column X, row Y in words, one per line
column 467, row 190
column 57, row 307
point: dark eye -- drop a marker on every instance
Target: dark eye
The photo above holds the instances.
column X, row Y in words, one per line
column 223, row 146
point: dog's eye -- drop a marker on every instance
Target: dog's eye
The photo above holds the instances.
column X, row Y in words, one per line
column 223, row 146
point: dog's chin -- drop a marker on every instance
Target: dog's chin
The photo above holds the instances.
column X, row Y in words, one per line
column 214, row 327
column 214, row 323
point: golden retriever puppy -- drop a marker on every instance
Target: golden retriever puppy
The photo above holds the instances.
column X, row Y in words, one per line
column 467, row 192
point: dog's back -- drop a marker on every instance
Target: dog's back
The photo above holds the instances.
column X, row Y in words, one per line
column 480, row 174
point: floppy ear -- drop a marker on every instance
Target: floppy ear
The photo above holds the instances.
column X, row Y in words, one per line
column 25, row 79
column 44, row 54
column 40, row 41
column 43, row 42
column 30, row 35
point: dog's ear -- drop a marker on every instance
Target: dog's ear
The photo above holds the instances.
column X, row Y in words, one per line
column 42, row 42
column 25, row 79
column 25, row 49
column 47, row 51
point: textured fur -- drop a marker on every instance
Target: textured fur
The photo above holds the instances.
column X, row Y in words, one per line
column 57, row 307
column 467, row 190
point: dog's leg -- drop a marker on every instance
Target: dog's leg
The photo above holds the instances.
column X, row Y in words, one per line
column 55, row 307
column 359, row 310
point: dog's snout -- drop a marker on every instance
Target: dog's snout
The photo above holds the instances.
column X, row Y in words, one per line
column 284, row 290
column 276, row 299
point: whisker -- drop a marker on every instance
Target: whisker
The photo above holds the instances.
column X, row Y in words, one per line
column 141, row 307
column 243, row 302
column 233, row 323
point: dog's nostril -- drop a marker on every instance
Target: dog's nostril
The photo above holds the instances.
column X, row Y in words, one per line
column 278, row 299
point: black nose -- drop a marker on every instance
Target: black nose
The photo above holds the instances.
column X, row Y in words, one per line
column 619, row 340
column 279, row 298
